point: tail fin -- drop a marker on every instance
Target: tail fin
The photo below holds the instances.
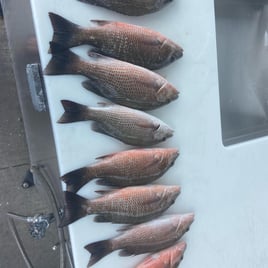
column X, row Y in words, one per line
column 77, row 178
column 66, row 33
column 98, row 250
column 65, row 62
column 73, row 208
column 73, row 112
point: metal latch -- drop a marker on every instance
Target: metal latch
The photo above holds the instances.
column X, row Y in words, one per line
column 36, row 86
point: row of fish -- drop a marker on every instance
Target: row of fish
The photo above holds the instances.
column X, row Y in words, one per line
column 117, row 68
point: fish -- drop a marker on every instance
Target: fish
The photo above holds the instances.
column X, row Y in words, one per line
column 167, row 258
column 121, row 82
column 130, row 7
column 126, row 168
column 127, row 42
column 146, row 237
column 131, row 205
column 130, row 126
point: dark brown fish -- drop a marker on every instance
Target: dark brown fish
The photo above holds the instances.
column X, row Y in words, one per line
column 127, row 125
column 121, row 82
column 127, row 205
column 127, row 168
column 130, row 7
column 126, row 42
column 151, row 236
column 167, row 258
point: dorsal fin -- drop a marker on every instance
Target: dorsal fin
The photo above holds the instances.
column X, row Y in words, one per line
column 105, row 156
column 101, row 22
column 104, row 192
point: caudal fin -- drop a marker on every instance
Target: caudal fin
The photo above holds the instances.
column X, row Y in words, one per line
column 73, row 112
column 74, row 208
column 65, row 62
column 66, row 33
column 98, row 250
column 77, row 178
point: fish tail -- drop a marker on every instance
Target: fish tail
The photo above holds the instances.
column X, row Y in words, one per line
column 76, row 179
column 98, row 250
column 64, row 62
column 73, row 208
column 73, row 112
column 65, row 32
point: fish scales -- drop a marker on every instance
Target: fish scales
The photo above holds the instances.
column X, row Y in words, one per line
column 126, row 168
column 118, row 73
column 128, row 205
column 119, row 81
column 146, row 237
column 127, row 42
column 128, row 125
column 169, row 258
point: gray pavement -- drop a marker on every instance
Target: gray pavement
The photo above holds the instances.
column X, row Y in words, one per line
column 14, row 161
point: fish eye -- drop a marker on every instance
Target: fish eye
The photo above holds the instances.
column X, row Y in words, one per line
column 164, row 139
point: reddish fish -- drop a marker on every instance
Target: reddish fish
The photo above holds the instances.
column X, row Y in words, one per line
column 167, row 258
column 121, row 82
column 127, row 205
column 132, row 167
column 126, row 42
column 151, row 236
column 130, row 7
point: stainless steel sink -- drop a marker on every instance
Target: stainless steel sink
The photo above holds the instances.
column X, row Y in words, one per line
column 242, row 46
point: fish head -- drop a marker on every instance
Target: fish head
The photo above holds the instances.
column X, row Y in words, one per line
column 182, row 223
column 165, row 157
column 171, row 193
column 161, row 3
column 169, row 52
column 171, row 156
column 167, row 93
column 176, row 254
column 162, row 132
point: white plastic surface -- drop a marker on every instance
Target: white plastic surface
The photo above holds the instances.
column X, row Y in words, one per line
column 225, row 187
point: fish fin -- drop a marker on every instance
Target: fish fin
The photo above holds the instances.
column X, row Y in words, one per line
column 107, row 156
column 64, row 62
column 124, row 253
column 105, row 104
column 102, row 218
column 73, row 208
column 101, row 88
column 104, row 192
column 95, row 126
column 63, row 32
column 76, row 179
column 125, row 227
column 148, row 125
column 96, row 56
column 73, row 112
column 98, row 250
column 95, row 50
column 105, row 183
column 101, row 22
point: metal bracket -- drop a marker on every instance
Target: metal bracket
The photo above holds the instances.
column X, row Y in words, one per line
column 36, row 86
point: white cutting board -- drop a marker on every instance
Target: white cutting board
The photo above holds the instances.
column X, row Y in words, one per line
column 225, row 187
